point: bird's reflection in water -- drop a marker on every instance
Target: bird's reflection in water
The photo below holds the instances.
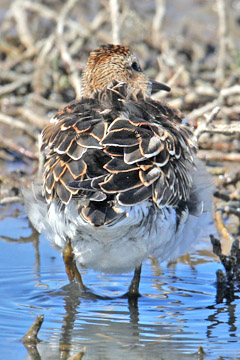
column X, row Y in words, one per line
column 73, row 324
column 78, row 328
column 119, row 326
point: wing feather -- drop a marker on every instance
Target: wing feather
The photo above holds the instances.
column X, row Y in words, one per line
column 117, row 149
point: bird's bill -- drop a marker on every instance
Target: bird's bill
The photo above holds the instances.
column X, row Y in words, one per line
column 157, row 86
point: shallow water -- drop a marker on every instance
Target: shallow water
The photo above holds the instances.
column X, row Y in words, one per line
column 177, row 312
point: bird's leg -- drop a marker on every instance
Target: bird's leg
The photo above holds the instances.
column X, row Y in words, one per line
column 134, row 287
column 70, row 266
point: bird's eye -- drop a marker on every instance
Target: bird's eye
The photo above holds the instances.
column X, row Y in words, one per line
column 136, row 67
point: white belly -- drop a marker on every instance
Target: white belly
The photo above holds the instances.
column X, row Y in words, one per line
column 120, row 247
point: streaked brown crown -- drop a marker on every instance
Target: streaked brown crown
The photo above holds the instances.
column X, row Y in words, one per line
column 110, row 63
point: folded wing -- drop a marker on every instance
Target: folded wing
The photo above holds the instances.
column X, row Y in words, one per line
column 116, row 149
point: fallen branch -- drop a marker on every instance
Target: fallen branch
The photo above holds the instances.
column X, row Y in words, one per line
column 158, row 21
column 204, row 125
column 20, row 17
column 18, row 148
column 11, row 199
column 222, row 129
column 50, row 104
column 208, row 155
column 32, row 117
column 41, row 62
column 222, row 34
column 65, row 54
column 233, row 90
column 8, row 88
column 18, row 124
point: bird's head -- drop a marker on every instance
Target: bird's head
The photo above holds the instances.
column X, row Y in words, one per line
column 110, row 63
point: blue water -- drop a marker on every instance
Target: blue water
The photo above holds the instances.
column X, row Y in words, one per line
column 176, row 313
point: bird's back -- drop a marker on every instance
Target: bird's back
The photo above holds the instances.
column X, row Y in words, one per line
column 117, row 148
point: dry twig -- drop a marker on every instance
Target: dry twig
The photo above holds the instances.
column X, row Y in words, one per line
column 114, row 8
column 222, row 33
column 212, row 155
column 18, row 148
column 17, row 124
column 11, row 199
column 224, row 93
column 158, row 21
column 20, row 16
column 8, row 88
column 222, row 227
column 204, row 126
column 66, row 56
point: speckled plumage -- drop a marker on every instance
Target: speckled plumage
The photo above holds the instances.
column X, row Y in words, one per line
column 121, row 178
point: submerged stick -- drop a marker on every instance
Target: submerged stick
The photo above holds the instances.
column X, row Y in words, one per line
column 79, row 355
column 30, row 338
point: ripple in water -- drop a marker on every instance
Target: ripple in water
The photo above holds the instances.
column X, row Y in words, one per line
column 176, row 313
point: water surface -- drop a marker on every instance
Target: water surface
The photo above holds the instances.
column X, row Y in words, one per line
column 177, row 312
